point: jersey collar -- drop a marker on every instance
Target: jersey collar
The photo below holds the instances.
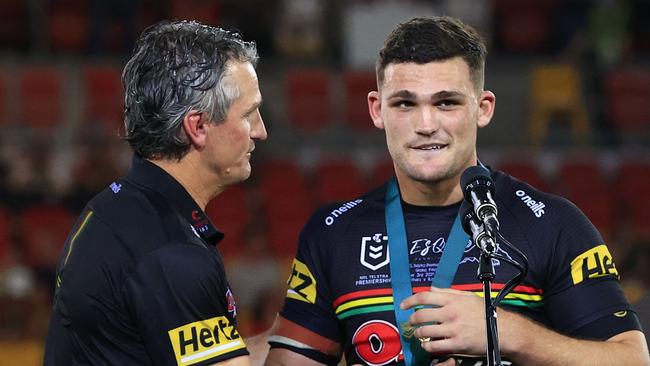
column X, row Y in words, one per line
column 149, row 175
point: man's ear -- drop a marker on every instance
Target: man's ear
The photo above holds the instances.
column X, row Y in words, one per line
column 374, row 108
column 194, row 125
column 487, row 103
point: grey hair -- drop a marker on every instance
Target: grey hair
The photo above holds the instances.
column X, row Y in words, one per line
column 175, row 68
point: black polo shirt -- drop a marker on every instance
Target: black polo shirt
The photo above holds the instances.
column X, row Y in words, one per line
column 141, row 282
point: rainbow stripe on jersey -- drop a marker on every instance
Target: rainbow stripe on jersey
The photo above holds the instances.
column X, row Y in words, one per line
column 378, row 300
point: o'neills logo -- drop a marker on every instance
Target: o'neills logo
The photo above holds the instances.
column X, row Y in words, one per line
column 329, row 220
column 535, row 206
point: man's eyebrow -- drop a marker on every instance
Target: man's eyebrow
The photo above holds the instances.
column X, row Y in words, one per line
column 448, row 94
column 402, row 94
column 406, row 94
column 255, row 106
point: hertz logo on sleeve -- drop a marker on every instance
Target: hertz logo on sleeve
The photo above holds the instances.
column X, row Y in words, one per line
column 595, row 262
column 302, row 284
column 204, row 339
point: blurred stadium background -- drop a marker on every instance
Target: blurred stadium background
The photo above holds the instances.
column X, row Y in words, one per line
column 572, row 80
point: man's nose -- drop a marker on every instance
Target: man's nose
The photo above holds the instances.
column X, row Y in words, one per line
column 427, row 123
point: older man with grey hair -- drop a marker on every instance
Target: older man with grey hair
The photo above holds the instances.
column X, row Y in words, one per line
column 140, row 280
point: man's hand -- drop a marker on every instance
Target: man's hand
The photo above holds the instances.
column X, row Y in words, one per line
column 457, row 326
column 459, row 321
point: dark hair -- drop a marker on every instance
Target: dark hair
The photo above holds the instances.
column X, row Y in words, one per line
column 424, row 40
column 177, row 67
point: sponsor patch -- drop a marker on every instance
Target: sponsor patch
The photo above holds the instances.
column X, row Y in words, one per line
column 302, row 284
column 204, row 339
column 595, row 262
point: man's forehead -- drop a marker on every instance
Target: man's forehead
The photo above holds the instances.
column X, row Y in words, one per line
column 451, row 74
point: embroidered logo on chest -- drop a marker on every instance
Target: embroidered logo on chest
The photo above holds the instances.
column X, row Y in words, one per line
column 374, row 251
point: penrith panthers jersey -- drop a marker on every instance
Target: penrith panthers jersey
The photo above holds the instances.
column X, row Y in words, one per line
column 339, row 301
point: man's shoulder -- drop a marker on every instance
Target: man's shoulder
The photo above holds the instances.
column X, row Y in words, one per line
column 336, row 216
column 530, row 203
column 127, row 213
column 120, row 202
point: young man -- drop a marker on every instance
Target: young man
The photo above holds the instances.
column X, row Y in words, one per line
column 140, row 280
column 341, row 298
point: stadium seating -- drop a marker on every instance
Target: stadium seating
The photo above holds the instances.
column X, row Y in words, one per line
column 337, row 180
column 68, row 26
column 308, row 98
column 357, row 84
column 104, row 98
column 231, row 214
column 524, row 170
column 40, row 96
column 554, row 89
column 286, row 203
column 44, row 229
column 627, row 95
column 14, row 21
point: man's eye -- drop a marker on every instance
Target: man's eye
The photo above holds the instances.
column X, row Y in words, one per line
column 403, row 104
column 447, row 103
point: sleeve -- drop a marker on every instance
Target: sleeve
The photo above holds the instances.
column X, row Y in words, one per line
column 183, row 307
column 582, row 294
column 307, row 323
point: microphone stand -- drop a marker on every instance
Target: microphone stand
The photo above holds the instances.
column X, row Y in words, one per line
column 486, row 275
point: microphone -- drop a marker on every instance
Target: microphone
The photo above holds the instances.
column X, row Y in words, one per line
column 478, row 189
column 473, row 227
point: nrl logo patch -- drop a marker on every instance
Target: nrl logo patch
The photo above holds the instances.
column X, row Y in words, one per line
column 374, row 251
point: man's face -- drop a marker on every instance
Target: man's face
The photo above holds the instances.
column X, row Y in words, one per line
column 231, row 142
column 430, row 113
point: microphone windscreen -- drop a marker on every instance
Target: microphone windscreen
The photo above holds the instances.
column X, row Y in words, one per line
column 466, row 213
column 473, row 173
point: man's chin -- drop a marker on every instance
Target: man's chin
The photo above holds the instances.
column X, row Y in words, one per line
column 427, row 175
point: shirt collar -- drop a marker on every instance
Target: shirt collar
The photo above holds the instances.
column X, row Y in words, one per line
column 148, row 174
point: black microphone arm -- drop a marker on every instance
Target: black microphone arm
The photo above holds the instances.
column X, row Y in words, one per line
column 478, row 189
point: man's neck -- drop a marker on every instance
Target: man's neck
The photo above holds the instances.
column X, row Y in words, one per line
column 188, row 173
column 440, row 193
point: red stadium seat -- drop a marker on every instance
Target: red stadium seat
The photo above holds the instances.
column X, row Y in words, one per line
column 43, row 232
column 628, row 93
column 307, row 92
column 357, row 84
column 599, row 206
column 578, row 176
column 381, row 172
column 337, row 180
column 632, row 181
column 230, row 213
column 14, row 20
column 522, row 26
column 286, row 204
column 526, row 171
column 68, row 26
column 104, row 96
column 40, row 93
column 204, row 11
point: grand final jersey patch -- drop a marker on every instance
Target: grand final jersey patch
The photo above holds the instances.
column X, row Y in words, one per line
column 204, row 339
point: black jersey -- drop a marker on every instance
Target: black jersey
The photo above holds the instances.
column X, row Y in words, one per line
column 140, row 281
column 340, row 300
